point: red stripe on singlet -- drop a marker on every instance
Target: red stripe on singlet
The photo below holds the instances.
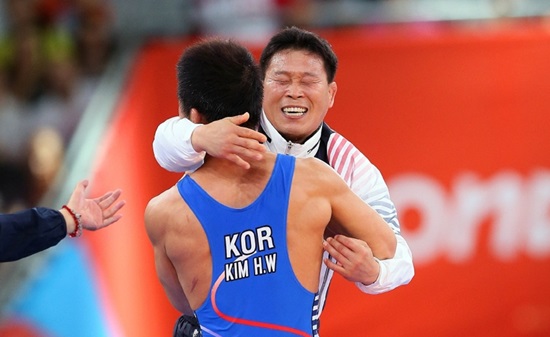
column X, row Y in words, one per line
column 242, row 321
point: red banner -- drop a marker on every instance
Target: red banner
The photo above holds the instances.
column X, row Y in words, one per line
column 457, row 120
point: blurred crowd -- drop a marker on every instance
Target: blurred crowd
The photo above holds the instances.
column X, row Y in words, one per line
column 253, row 20
column 51, row 55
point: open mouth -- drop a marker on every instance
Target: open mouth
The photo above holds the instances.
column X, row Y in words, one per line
column 294, row 111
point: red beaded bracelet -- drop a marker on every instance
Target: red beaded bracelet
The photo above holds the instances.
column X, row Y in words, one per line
column 78, row 223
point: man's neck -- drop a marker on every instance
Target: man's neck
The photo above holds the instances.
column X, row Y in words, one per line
column 231, row 184
column 222, row 167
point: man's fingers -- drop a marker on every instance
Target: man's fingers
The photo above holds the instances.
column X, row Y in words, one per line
column 254, row 145
column 251, row 154
column 339, row 259
column 83, row 184
column 252, row 135
column 248, row 143
column 244, row 132
column 249, row 149
column 238, row 160
column 108, row 221
column 336, row 249
column 108, row 198
column 81, row 187
column 239, row 119
column 242, row 151
column 111, row 211
column 335, row 267
column 111, row 220
column 103, row 197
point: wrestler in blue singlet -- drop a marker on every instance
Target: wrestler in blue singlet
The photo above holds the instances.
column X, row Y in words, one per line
column 254, row 291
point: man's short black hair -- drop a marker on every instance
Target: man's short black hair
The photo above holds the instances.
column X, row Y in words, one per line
column 294, row 38
column 220, row 78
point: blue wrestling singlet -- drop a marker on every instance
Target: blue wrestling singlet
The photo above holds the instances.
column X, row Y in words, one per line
column 254, row 292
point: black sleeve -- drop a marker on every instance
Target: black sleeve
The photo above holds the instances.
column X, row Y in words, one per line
column 30, row 231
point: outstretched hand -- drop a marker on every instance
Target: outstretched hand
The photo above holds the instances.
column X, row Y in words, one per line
column 224, row 138
column 354, row 259
column 96, row 213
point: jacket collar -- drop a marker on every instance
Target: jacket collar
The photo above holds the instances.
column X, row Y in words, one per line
column 277, row 144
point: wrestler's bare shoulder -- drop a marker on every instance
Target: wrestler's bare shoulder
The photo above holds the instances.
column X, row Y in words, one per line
column 316, row 174
column 162, row 207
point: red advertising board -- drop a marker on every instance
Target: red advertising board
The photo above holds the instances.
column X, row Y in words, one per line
column 456, row 118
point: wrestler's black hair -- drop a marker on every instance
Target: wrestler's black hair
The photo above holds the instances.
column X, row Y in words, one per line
column 220, row 78
column 294, row 38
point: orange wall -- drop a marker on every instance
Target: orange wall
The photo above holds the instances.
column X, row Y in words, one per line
column 457, row 120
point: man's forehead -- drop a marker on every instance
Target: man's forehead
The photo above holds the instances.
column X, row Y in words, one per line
column 296, row 61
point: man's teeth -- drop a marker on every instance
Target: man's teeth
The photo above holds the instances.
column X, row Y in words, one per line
column 294, row 110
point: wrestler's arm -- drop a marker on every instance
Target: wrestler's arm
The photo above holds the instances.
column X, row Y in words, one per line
column 350, row 215
column 180, row 145
column 166, row 271
column 370, row 186
column 398, row 270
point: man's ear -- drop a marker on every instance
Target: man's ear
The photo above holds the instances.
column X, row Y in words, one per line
column 180, row 111
column 196, row 117
column 332, row 88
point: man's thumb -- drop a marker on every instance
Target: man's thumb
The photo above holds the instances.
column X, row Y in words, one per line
column 240, row 118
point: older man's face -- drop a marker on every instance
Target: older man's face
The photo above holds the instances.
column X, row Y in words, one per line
column 297, row 95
